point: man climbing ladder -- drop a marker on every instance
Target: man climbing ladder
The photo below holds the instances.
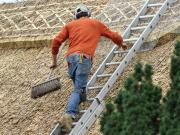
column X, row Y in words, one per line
column 83, row 34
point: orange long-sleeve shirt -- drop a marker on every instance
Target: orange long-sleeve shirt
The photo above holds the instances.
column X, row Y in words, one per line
column 84, row 35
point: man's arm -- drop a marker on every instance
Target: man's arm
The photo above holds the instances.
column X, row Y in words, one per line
column 57, row 41
column 114, row 36
column 54, row 61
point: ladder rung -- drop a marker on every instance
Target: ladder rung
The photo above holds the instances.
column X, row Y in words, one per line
column 113, row 63
column 82, row 111
column 104, row 75
column 91, row 99
column 146, row 16
column 130, row 39
column 155, row 5
column 120, row 52
column 96, row 87
column 74, row 123
column 138, row 28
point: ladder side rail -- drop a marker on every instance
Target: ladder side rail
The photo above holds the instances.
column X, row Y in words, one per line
column 136, row 19
column 110, row 55
column 92, row 119
column 132, row 52
column 94, row 105
column 86, row 116
column 119, row 70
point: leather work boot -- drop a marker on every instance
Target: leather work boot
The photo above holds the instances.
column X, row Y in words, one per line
column 66, row 122
column 83, row 96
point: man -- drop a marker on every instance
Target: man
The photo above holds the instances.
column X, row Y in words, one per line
column 83, row 34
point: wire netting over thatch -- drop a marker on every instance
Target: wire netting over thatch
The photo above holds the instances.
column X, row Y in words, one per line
column 30, row 21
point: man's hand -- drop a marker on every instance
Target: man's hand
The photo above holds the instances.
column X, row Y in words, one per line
column 53, row 66
column 124, row 46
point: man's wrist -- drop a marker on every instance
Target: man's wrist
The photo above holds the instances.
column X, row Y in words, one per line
column 54, row 63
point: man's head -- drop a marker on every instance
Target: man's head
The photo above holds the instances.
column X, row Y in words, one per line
column 82, row 11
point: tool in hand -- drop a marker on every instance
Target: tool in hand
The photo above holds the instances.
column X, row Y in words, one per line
column 51, row 84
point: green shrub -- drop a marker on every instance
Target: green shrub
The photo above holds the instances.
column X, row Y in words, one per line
column 170, row 118
column 136, row 109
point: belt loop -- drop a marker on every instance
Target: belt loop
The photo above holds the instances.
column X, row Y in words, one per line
column 81, row 58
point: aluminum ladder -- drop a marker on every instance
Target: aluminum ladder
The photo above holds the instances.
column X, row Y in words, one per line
column 90, row 115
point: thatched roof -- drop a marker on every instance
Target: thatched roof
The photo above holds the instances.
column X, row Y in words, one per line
column 22, row 68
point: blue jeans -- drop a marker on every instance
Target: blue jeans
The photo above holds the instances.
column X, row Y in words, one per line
column 78, row 72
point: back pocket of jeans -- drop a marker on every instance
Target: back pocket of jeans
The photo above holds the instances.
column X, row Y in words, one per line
column 83, row 68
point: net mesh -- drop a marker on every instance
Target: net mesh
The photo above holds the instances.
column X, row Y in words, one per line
column 46, row 17
column 22, row 68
